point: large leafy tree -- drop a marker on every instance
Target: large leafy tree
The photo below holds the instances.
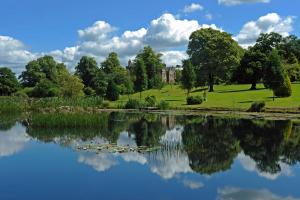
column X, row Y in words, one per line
column 214, row 53
column 140, row 83
column 87, row 69
column 70, row 86
column 8, row 82
column 111, row 64
column 153, row 65
column 251, row 67
column 188, row 76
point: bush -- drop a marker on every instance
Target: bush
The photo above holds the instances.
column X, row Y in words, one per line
column 194, row 100
column 112, row 92
column 88, row 91
column 150, row 101
column 257, row 107
column 20, row 94
column 163, row 105
column 284, row 90
column 133, row 104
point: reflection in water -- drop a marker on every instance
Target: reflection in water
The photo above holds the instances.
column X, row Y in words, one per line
column 205, row 145
column 12, row 141
column 230, row 193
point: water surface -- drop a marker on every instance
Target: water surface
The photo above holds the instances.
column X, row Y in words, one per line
column 200, row 158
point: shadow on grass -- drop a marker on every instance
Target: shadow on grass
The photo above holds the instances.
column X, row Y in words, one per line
column 199, row 90
column 233, row 91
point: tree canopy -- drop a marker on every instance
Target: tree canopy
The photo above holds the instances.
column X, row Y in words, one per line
column 214, row 53
column 8, row 82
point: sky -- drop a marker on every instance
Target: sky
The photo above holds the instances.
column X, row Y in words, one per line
column 69, row 29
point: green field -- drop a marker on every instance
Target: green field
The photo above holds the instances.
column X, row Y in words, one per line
column 225, row 96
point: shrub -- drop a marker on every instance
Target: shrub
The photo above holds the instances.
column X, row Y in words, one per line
column 285, row 90
column 88, row 91
column 163, row 105
column 150, row 101
column 20, row 94
column 133, row 104
column 257, row 107
column 194, row 100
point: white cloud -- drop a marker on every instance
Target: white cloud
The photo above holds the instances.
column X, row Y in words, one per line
column 13, row 53
column 238, row 2
column 13, row 140
column 166, row 34
column 192, row 8
column 192, row 184
column 230, row 193
column 250, row 165
column 271, row 22
column 100, row 162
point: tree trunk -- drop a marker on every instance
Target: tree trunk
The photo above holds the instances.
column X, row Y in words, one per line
column 211, row 83
column 253, row 87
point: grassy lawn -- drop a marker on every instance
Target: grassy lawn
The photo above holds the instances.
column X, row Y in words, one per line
column 225, row 96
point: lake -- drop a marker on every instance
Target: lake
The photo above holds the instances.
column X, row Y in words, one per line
column 197, row 157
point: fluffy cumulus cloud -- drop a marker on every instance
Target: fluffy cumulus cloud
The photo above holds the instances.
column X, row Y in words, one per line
column 271, row 22
column 166, row 34
column 237, row 2
column 13, row 53
column 231, row 193
column 192, row 8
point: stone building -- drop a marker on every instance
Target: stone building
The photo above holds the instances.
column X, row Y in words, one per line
column 168, row 75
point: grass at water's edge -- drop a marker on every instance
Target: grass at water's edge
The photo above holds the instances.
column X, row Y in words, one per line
column 235, row 98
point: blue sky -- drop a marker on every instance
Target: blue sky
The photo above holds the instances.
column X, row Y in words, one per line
column 36, row 27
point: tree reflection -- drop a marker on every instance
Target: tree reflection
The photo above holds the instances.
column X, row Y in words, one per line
column 263, row 141
column 211, row 146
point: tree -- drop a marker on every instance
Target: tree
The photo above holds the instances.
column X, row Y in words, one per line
column 214, row 53
column 251, row 68
column 99, row 83
column 112, row 92
column 141, row 82
column 275, row 76
column 43, row 68
column 153, row 65
column 188, row 76
column 45, row 88
column 266, row 42
column 87, row 70
column 32, row 75
column 111, row 64
column 8, row 82
column 70, row 85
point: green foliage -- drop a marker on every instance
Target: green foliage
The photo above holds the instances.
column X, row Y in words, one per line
column 141, row 80
column 12, row 104
column 188, row 76
column 42, row 68
column 45, row 88
column 87, row 70
column 111, row 64
column 150, row 101
column 275, row 77
column 258, row 106
column 163, row 105
column 194, row 100
column 112, row 92
column 251, row 68
column 293, row 70
column 88, row 91
column 214, row 53
column 133, row 104
column 8, row 82
column 284, row 90
column 70, row 85
column 153, row 65
column 99, row 83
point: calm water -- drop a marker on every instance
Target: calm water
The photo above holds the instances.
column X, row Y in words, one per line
column 201, row 158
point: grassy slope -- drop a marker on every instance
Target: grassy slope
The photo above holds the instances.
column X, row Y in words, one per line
column 225, row 96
